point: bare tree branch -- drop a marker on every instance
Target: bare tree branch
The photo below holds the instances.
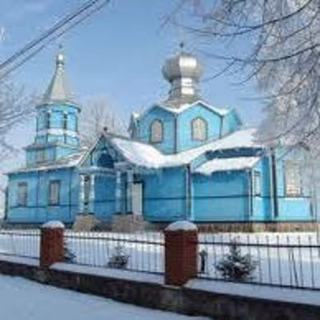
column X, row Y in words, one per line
column 276, row 44
column 98, row 115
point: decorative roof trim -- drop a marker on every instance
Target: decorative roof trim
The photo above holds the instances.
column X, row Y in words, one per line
column 49, row 144
column 63, row 103
column 55, row 165
column 218, row 111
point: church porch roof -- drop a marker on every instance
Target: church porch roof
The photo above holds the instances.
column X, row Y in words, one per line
column 146, row 155
column 227, row 164
column 66, row 162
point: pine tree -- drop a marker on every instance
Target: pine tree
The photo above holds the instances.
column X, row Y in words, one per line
column 235, row 266
column 119, row 259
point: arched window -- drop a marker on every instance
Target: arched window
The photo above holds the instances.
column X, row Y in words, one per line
column 156, row 134
column 293, row 180
column 199, row 129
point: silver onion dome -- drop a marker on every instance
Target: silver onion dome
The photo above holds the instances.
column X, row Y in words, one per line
column 183, row 71
column 183, row 65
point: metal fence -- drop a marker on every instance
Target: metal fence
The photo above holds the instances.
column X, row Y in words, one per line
column 143, row 252
column 285, row 260
column 21, row 243
column 277, row 260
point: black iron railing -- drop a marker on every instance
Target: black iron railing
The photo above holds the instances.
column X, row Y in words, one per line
column 285, row 260
column 21, row 243
column 142, row 252
column 277, row 260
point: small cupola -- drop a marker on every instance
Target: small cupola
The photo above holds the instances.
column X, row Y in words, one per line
column 58, row 89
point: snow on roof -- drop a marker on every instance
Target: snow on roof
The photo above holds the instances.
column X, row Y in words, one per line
column 227, row 164
column 145, row 155
column 65, row 162
column 183, row 107
column 135, row 115
column 220, row 111
column 138, row 153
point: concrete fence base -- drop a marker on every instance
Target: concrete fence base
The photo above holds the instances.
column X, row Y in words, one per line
column 170, row 298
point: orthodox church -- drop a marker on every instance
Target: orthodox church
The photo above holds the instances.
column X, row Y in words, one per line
column 185, row 159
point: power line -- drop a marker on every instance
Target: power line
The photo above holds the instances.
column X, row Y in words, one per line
column 43, row 46
column 57, row 30
column 49, row 32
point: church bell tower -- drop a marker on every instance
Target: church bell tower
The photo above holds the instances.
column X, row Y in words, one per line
column 57, row 133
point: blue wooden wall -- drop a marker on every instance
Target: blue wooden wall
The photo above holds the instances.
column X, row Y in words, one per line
column 222, row 196
column 169, row 122
column 165, row 195
column 38, row 209
column 184, row 132
column 177, row 126
column 291, row 208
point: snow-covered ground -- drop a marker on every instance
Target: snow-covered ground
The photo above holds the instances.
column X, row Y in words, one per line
column 23, row 299
column 282, row 258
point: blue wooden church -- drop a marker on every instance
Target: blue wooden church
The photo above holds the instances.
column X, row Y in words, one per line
column 184, row 159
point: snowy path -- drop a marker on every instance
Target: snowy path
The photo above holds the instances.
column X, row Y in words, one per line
column 27, row 300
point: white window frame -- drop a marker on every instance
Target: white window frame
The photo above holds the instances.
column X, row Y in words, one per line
column 22, row 194
column 54, row 192
column 199, row 129
column 257, row 188
column 292, row 179
column 156, row 131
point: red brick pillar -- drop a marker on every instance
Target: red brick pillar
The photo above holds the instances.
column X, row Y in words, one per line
column 51, row 243
column 181, row 252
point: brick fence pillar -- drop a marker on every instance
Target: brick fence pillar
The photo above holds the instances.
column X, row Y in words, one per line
column 181, row 252
column 51, row 243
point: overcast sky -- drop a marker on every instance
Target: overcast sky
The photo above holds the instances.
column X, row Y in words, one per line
column 117, row 54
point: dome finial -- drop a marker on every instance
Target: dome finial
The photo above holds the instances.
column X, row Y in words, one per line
column 60, row 56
